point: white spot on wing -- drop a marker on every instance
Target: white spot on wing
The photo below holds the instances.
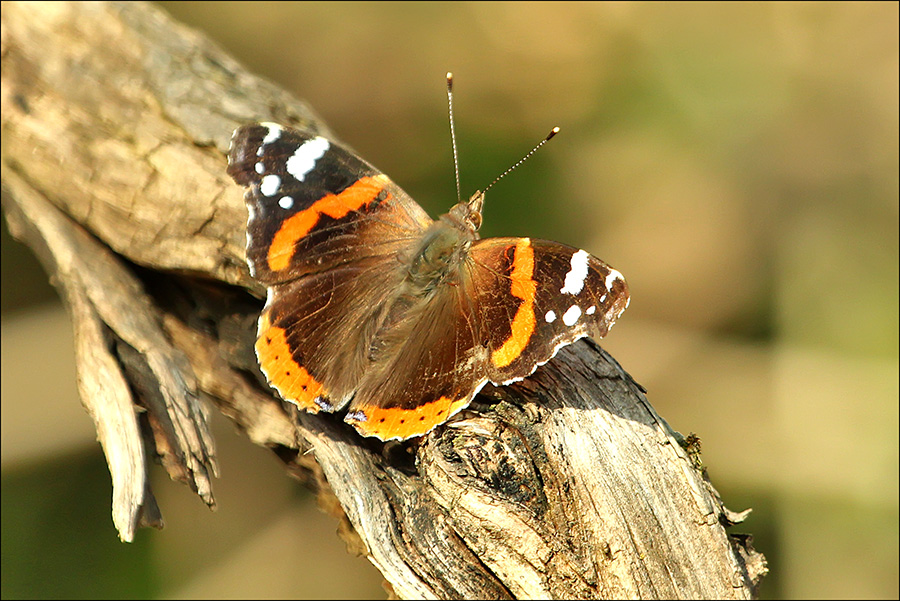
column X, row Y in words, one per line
column 575, row 278
column 304, row 158
column 260, row 168
column 591, row 309
column 286, row 202
column 550, row 317
column 612, row 277
column 570, row 317
column 355, row 416
column 274, row 132
column 270, row 184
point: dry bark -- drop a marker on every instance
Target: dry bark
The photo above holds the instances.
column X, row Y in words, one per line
column 115, row 122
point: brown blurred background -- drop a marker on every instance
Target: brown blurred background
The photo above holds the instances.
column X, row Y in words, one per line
column 737, row 162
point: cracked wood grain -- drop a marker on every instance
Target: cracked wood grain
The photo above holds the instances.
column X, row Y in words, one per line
column 565, row 485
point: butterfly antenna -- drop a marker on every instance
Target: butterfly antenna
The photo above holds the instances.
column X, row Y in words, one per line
column 453, row 134
column 552, row 133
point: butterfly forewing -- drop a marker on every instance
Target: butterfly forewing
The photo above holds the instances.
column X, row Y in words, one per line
column 313, row 205
column 533, row 296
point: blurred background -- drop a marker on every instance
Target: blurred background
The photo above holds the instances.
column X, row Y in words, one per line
column 737, row 162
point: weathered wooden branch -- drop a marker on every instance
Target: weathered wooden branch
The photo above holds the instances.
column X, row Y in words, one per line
column 568, row 485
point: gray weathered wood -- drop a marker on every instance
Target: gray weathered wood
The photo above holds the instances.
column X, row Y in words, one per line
column 115, row 122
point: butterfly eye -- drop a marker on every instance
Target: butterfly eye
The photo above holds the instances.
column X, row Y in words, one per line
column 475, row 220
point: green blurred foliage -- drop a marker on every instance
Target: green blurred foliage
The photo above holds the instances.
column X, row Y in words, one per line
column 69, row 495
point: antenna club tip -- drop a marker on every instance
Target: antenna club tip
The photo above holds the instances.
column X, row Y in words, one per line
column 552, row 133
column 449, row 76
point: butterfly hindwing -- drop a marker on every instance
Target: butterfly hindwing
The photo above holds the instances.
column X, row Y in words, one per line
column 315, row 356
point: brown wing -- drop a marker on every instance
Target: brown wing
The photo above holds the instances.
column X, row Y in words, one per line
column 315, row 332
column 515, row 304
column 325, row 230
column 429, row 366
column 314, row 205
column 534, row 296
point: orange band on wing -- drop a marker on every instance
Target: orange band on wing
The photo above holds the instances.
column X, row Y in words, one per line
column 394, row 422
column 524, row 287
column 292, row 380
column 336, row 206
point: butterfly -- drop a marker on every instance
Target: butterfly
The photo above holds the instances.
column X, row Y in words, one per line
column 375, row 308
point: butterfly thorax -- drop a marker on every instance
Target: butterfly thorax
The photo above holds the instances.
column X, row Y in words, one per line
column 433, row 262
column 442, row 250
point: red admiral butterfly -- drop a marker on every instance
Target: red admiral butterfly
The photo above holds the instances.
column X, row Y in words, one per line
column 371, row 303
